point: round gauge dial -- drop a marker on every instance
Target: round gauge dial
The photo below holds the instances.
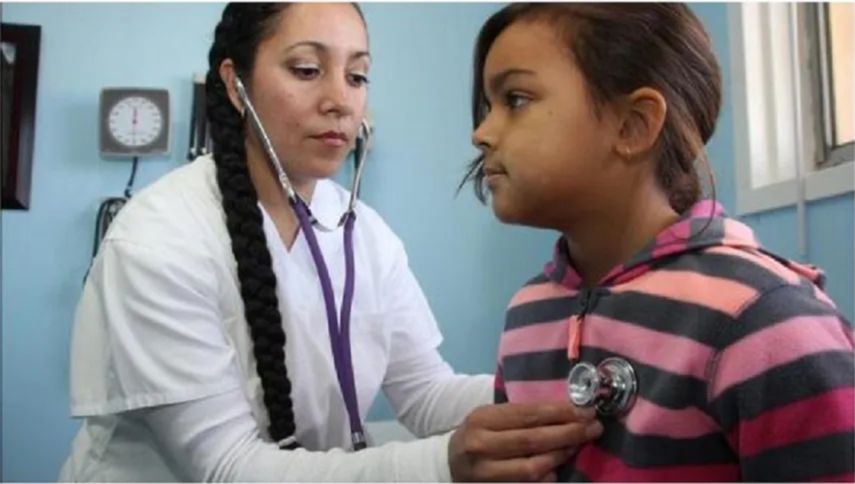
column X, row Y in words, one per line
column 135, row 121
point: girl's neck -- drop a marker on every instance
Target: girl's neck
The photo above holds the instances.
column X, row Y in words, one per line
column 609, row 238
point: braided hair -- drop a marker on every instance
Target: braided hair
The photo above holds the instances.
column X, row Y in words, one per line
column 241, row 29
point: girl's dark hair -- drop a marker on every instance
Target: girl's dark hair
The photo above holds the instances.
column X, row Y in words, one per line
column 620, row 48
column 237, row 36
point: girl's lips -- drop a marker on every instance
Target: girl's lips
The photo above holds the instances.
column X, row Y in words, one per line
column 489, row 169
column 492, row 174
column 493, row 178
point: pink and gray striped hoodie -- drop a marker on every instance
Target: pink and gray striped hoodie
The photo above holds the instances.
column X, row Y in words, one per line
column 745, row 366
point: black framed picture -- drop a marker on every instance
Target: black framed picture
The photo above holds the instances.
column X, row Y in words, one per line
column 19, row 55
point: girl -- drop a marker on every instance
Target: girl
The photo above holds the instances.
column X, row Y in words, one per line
column 589, row 118
column 201, row 348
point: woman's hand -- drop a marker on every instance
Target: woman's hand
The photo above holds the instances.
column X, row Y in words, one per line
column 519, row 442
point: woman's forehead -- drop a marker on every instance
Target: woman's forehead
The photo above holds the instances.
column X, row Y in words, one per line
column 335, row 26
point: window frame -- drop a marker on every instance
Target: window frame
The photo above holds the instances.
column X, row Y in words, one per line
column 820, row 172
column 832, row 154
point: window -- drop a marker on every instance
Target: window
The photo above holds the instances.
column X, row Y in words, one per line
column 835, row 47
column 792, row 75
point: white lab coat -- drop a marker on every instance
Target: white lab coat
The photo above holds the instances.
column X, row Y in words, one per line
column 161, row 322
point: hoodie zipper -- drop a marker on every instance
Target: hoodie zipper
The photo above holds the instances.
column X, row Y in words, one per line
column 574, row 341
column 586, row 301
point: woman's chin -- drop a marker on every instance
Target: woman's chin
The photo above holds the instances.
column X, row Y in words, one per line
column 321, row 168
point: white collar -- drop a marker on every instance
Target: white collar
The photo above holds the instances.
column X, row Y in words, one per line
column 329, row 201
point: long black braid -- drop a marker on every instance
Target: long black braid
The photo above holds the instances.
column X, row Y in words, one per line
column 237, row 36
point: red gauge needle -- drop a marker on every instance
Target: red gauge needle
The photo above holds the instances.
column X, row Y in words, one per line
column 134, row 125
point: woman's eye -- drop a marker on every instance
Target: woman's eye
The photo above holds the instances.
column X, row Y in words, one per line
column 305, row 71
column 515, row 100
column 358, row 79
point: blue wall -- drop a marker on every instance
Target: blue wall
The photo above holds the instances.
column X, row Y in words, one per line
column 468, row 264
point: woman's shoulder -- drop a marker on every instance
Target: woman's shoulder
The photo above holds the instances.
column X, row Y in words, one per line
column 182, row 208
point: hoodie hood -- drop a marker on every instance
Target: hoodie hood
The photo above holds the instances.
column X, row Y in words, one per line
column 703, row 226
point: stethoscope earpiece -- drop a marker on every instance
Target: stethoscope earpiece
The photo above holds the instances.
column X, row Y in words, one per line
column 364, row 130
column 241, row 92
column 610, row 386
column 241, row 89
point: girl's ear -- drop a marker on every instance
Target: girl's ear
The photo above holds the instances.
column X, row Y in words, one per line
column 228, row 75
column 642, row 116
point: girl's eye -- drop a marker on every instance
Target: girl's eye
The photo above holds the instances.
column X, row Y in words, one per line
column 305, row 71
column 358, row 79
column 484, row 109
column 515, row 100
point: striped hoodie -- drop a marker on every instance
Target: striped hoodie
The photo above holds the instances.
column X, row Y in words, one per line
column 744, row 365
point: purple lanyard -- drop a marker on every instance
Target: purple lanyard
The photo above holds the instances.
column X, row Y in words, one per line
column 339, row 335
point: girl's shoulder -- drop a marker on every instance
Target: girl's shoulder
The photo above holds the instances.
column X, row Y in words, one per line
column 732, row 278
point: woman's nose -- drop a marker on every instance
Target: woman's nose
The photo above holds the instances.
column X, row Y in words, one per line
column 336, row 99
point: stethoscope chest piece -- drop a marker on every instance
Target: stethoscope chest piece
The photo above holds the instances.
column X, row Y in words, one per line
column 610, row 386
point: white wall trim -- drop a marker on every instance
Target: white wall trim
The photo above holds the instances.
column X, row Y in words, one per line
column 829, row 182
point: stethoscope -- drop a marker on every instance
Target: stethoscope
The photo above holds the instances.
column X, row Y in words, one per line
column 339, row 333
column 610, row 386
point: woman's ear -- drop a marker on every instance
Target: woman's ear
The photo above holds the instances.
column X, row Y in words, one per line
column 642, row 117
column 229, row 76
